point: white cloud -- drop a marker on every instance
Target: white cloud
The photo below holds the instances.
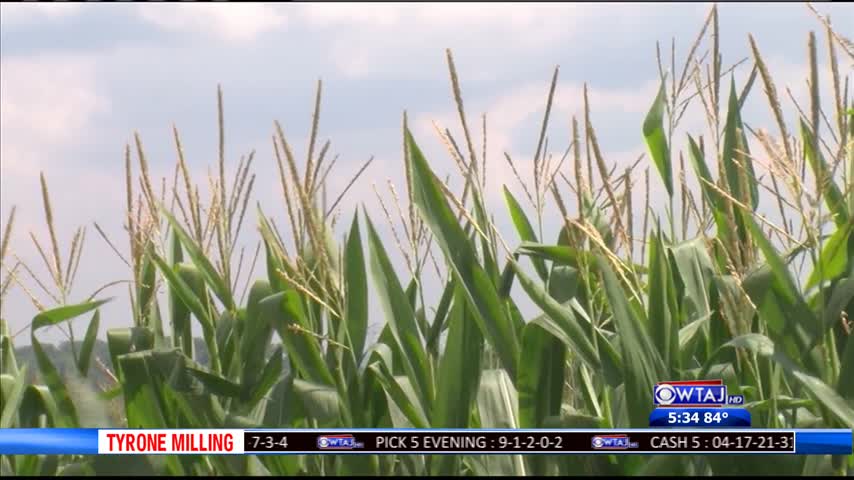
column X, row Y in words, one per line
column 23, row 13
column 396, row 36
column 47, row 102
column 393, row 36
column 233, row 22
column 430, row 16
column 329, row 14
column 47, row 107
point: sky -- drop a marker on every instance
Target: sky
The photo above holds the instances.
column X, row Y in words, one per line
column 79, row 79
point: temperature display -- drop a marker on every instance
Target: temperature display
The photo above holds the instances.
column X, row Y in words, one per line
column 699, row 417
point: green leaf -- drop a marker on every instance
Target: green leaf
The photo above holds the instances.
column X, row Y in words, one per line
column 541, row 382
column 66, row 312
column 826, row 396
column 182, row 282
column 821, row 170
column 656, row 140
column 841, row 296
column 559, row 254
column 689, row 332
column 186, row 282
column 8, row 363
column 735, row 155
column 707, row 183
column 39, row 401
column 182, row 335
column 284, row 311
column 560, row 321
column 12, row 399
column 642, row 363
column 777, row 403
column 845, row 384
column 695, row 270
column 496, row 404
column 525, row 230
column 401, row 318
column 775, row 262
column 257, row 333
column 89, row 343
column 274, row 260
column 149, row 311
column 541, row 376
column 48, row 370
column 356, row 289
column 564, row 255
column 120, row 465
column 77, row 469
column 321, row 402
column 200, row 260
column 663, row 311
column 439, row 319
column 823, row 394
column 833, row 260
column 479, row 288
column 459, row 377
column 269, row 377
column 125, row 340
column 497, row 400
column 142, row 401
column 573, row 420
column 402, row 395
column 216, row 384
column 597, row 217
column 459, row 368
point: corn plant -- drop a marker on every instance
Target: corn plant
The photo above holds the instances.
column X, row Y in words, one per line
column 714, row 288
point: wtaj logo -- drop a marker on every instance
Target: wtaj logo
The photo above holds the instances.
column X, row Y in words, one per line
column 694, row 393
column 612, row 442
column 338, row 442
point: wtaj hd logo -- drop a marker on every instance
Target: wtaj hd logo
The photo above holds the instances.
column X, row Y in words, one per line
column 694, row 393
column 613, row 442
column 338, row 442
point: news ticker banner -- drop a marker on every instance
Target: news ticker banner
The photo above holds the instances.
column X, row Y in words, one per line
column 60, row 441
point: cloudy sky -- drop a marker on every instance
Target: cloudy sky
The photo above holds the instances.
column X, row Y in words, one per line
column 77, row 81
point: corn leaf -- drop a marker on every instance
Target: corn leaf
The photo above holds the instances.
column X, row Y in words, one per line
column 525, row 230
column 356, row 289
column 480, row 290
column 656, row 140
column 401, row 319
column 89, row 343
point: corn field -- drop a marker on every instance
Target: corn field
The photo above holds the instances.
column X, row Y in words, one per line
column 746, row 274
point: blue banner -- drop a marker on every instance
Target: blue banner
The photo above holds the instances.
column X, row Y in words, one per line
column 49, row 441
column 823, row 442
column 700, row 417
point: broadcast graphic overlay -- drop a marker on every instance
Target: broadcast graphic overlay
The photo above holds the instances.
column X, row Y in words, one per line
column 697, row 404
column 61, row 441
column 689, row 417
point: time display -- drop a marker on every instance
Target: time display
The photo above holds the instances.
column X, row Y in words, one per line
column 700, row 417
column 696, row 417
